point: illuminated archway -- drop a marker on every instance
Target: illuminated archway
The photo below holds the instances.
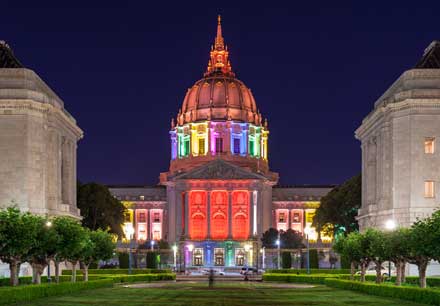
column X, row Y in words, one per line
column 197, row 215
column 240, row 214
column 219, row 215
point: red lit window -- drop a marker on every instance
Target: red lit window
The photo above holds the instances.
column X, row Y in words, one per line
column 240, row 214
column 141, row 217
column 296, row 217
column 219, row 215
column 281, row 217
column 156, row 217
column 197, row 215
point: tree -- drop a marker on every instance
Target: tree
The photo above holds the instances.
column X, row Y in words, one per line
column 43, row 250
column 424, row 244
column 349, row 247
column 338, row 209
column 291, row 239
column 99, row 209
column 72, row 241
column 378, row 250
column 98, row 245
column 397, row 243
column 269, row 238
column 19, row 234
column 286, row 260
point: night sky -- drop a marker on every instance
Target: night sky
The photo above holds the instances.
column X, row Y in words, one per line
column 315, row 69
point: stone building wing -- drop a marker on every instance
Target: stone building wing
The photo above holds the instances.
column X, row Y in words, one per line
column 431, row 57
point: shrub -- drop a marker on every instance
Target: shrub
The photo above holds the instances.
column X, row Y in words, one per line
column 141, row 277
column 293, row 278
column 27, row 280
column 123, row 260
column 152, row 260
column 119, row 271
column 312, row 271
column 286, row 260
column 418, row 295
column 314, row 260
column 10, row 295
column 412, row 280
column 345, row 262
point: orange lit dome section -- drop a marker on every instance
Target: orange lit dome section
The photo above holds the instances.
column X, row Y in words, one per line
column 197, row 215
column 219, row 215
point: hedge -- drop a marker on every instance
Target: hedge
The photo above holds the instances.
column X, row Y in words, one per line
column 119, row 271
column 141, row 277
column 27, row 293
column 413, row 280
column 418, row 295
column 293, row 278
column 312, row 271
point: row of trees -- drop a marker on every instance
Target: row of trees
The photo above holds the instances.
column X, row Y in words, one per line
column 417, row 245
column 25, row 237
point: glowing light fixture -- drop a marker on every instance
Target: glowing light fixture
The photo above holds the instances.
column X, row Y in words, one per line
column 190, row 247
column 390, row 224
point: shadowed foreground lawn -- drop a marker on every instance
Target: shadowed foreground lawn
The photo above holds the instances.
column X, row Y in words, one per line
column 222, row 294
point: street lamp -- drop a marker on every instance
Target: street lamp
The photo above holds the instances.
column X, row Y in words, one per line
column 390, row 225
column 247, row 248
column 152, row 245
column 49, row 279
column 263, row 258
column 307, row 232
column 190, row 249
column 277, row 242
column 129, row 230
column 175, row 253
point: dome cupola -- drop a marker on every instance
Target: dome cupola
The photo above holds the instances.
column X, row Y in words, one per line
column 219, row 118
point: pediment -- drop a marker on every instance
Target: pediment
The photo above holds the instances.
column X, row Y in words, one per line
column 220, row 169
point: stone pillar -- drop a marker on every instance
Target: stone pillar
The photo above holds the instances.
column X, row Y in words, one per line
column 148, row 224
column 208, row 219
column 229, row 215
column 251, row 214
column 186, row 216
column 179, row 212
column 288, row 219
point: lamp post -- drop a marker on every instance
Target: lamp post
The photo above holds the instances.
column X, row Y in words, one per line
column 152, row 245
column 175, row 260
column 129, row 235
column 278, row 242
column 307, row 231
column 390, row 225
column 263, row 258
column 247, row 248
column 190, row 249
column 49, row 279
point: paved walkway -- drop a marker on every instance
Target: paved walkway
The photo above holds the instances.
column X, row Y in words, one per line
column 199, row 284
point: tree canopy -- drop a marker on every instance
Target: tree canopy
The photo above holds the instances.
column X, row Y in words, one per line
column 99, row 209
column 339, row 208
column 289, row 239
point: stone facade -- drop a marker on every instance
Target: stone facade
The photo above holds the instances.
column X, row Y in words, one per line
column 38, row 142
column 400, row 156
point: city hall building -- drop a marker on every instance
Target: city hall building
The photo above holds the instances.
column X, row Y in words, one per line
column 219, row 195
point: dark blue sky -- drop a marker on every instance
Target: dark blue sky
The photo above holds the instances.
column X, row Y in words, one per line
column 315, row 68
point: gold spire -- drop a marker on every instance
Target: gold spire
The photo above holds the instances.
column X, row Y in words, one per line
column 219, row 42
column 219, row 60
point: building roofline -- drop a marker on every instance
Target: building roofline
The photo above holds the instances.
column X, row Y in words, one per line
column 304, row 186
column 135, row 186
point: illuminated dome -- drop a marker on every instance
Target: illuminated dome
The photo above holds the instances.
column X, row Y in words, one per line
column 219, row 95
column 219, row 120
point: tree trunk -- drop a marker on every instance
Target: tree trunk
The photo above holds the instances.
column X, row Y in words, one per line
column 37, row 270
column 378, row 272
column 14, row 267
column 403, row 271
column 422, row 273
column 352, row 268
column 85, row 270
column 57, row 271
column 363, row 270
column 398, row 273
column 74, row 263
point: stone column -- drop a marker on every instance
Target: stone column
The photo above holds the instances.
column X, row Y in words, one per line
column 229, row 214
column 179, row 212
column 288, row 219
column 186, row 216
column 148, row 224
column 208, row 219
column 251, row 214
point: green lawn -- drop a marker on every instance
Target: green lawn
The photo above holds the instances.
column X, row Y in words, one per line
column 222, row 294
